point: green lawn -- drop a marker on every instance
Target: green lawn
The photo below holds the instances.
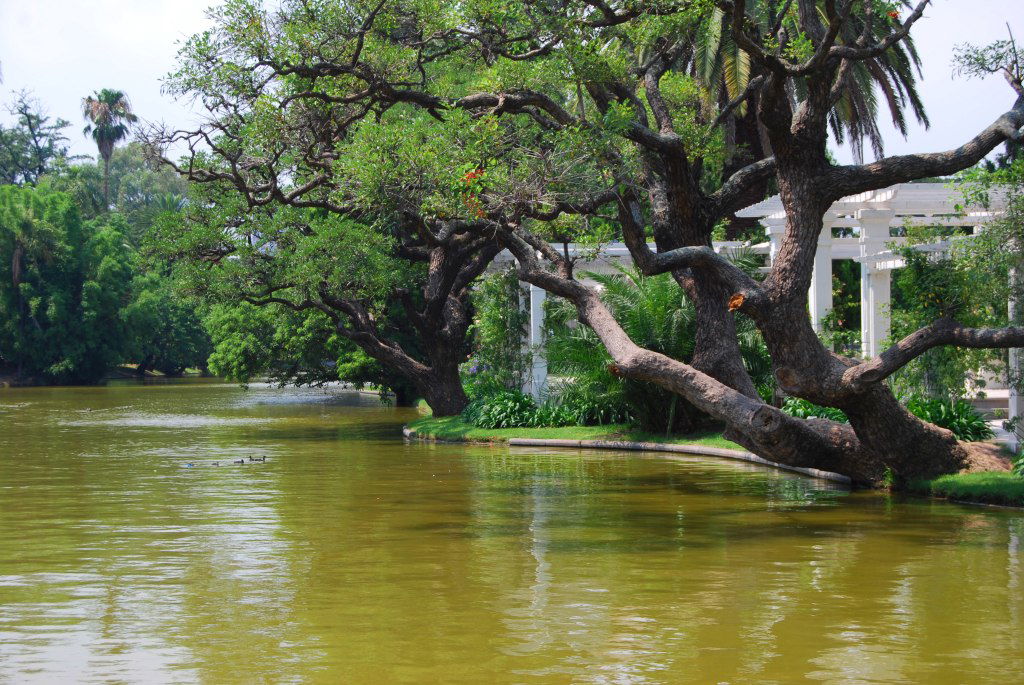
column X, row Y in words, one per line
column 989, row 487
column 456, row 428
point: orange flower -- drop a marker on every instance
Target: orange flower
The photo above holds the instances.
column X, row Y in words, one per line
column 893, row 14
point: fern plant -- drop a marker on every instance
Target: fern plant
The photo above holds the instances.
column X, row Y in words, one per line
column 955, row 415
column 655, row 314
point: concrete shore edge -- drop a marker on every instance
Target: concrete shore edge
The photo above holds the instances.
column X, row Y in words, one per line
column 655, row 447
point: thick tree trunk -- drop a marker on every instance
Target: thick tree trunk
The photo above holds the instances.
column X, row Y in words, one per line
column 884, row 441
column 716, row 347
column 444, row 393
column 908, row 447
column 441, row 386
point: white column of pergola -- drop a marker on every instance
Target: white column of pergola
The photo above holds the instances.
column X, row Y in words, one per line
column 865, row 221
column 875, row 286
column 539, row 368
column 871, row 217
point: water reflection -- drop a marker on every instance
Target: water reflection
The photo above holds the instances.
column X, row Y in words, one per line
column 351, row 556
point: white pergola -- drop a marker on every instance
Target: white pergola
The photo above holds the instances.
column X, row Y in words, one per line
column 859, row 227
column 870, row 221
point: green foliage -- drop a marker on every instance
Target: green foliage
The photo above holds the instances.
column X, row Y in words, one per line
column 512, row 409
column 929, row 288
column 841, row 326
column 167, row 333
column 81, row 297
column 971, row 284
column 502, row 409
column 802, row 409
column 723, row 67
column 108, row 114
column 499, row 325
column 958, row 416
column 1018, row 465
column 550, row 414
column 286, row 346
column 955, row 415
column 62, row 289
column 889, row 479
column 980, row 61
column 33, row 145
column 282, row 259
column 298, row 255
column 799, row 48
column 589, row 406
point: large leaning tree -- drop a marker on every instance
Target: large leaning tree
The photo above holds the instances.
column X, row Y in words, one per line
column 883, row 438
column 320, row 107
column 806, row 63
column 580, row 115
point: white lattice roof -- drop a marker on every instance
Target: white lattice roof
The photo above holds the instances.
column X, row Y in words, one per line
column 916, row 203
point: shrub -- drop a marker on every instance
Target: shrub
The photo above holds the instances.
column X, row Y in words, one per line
column 553, row 415
column 589, row 406
column 513, row 409
column 955, row 415
column 502, row 409
column 802, row 409
column 1018, row 465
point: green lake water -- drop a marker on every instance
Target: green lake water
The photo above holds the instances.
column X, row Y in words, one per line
column 350, row 556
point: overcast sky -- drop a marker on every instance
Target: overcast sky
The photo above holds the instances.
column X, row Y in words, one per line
column 63, row 50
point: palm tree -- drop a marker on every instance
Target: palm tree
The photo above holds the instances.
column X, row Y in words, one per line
column 722, row 66
column 108, row 113
column 169, row 202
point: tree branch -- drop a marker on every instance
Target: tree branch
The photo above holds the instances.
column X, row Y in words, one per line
column 848, row 180
column 942, row 332
column 732, row 196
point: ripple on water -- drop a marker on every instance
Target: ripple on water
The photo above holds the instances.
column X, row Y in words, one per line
column 174, row 421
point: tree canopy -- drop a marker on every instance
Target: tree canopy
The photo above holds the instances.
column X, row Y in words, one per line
column 33, row 144
column 62, row 289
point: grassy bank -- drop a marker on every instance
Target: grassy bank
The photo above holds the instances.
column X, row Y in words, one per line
column 456, row 428
column 989, row 487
